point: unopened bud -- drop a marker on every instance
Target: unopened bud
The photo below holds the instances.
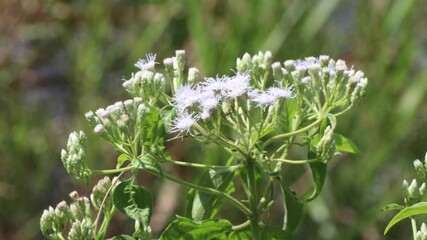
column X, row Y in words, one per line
column 81, row 231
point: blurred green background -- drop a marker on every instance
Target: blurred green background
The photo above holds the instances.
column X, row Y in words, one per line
column 60, row 59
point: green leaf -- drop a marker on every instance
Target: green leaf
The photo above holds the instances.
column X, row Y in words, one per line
column 122, row 159
column 318, row 172
column 153, row 129
column 167, row 114
column 134, row 201
column 288, row 119
column 344, row 144
column 122, row 237
column 204, row 205
column 147, row 162
column 416, row 209
column 393, row 206
column 293, row 208
column 186, row 229
column 269, row 232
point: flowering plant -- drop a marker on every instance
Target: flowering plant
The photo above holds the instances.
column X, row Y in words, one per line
column 414, row 206
column 257, row 116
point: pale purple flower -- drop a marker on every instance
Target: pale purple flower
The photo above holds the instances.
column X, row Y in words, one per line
column 237, row 85
column 264, row 99
column 183, row 122
column 281, row 92
column 210, row 103
column 217, row 84
column 147, row 63
column 186, row 96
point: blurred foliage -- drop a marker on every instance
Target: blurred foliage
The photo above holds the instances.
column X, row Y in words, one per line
column 59, row 59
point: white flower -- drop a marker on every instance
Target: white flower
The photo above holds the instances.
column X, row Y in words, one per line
column 237, row 85
column 264, row 99
column 99, row 128
column 217, row 84
column 183, row 122
column 186, row 96
column 280, row 92
column 209, row 103
column 147, row 63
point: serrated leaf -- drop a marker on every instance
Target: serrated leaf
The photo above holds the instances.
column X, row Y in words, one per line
column 147, row 162
column 344, row 144
column 393, row 206
column 268, row 232
column 204, row 205
column 134, row 201
column 293, row 208
column 185, row 229
column 416, row 209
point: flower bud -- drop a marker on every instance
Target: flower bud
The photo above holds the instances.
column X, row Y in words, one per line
column 277, row 71
column 99, row 192
column 244, row 64
column 179, row 63
column 325, row 149
column 74, row 158
column 81, row 231
column 192, row 75
column 420, row 169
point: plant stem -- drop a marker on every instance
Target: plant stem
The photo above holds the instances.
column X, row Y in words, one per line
column 198, row 165
column 295, row 161
column 414, row 228
column 109, row 171
column 285, row 135
column 252, row 196
column 212, row 191
column 241, row 226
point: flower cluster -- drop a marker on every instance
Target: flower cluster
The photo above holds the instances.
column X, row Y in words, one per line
column 74, row 157
column 422, row 233
column 339, row 85
column 116, row 119
column 100, row 191
column 146, row 83
column 78, row 214
column 201, row 100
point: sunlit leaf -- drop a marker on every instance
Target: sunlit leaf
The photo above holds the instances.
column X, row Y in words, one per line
column 186, row 229
column 416, row 209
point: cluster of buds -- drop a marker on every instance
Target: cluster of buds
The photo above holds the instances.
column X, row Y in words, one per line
column 81, row 230
column 259, row 65
column 99, row 197
column 54, row 221
column 421, row 168
column 325, row 148
column 74, row 157
column 413, row 193
column 115, row 120
column 422, row 233
column 146, row 83
column 323, row 79
column 218, row 95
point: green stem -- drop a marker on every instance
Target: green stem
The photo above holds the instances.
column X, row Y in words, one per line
column 198, row 165
column 294, row 161
column 253, row 203
column 285, row 135
column 414, row 228
column 212, row 191
column 241, row 226
column 110, row 171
